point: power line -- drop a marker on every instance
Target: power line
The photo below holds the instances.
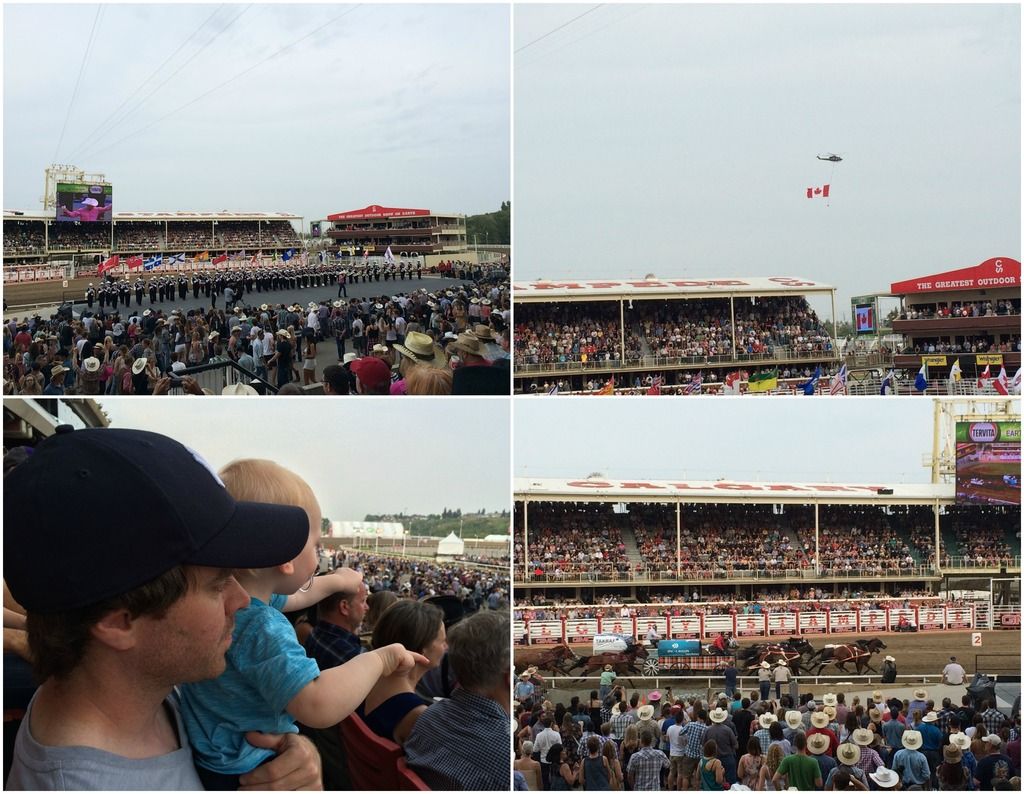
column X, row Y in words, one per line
column 564, row 24
column 618, row 21
column 78, row 82
column 110, row 117
column 229, row 80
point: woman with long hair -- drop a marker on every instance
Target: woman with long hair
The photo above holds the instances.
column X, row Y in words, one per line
column 749, row 767
column 772, row 760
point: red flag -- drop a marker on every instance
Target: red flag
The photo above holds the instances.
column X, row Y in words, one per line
column 110, row 264
column 135, row 261
column 1002, row 384
column 817, row 192
column 984, row 378
column 222, row 258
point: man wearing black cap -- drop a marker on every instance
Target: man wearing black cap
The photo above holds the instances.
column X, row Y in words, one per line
column 140, row 607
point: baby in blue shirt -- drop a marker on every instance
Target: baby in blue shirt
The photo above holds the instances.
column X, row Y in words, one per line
column 269, row 682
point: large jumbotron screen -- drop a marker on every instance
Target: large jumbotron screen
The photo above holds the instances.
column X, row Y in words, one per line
column 988, row 463
column 84, row 202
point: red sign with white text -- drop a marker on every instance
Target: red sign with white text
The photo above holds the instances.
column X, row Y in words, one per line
column 374, row 211
column 990, row 274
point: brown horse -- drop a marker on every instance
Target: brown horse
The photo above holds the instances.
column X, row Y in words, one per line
column 859, row 653
column 557, row 658
column 621, row 661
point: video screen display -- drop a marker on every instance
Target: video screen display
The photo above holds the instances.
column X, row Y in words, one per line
column 314, row 229
column 84, row 203
column 988, row 463
column 864, row 318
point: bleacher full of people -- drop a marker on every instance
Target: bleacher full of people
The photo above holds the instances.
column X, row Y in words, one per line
column 983, row 534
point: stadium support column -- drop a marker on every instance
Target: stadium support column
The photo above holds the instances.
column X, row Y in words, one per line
column 526, row 548
column 732, row 324
column 938, row 564
column 835, row 332
column 679, row 551
column 622, row 332
column 817, row 556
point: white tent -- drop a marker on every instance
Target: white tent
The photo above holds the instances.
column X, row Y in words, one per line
column 451, row 546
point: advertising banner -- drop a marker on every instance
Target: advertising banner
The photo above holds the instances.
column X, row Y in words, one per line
column 782, row 623
column 685, row 628
column 580, row 630
column 813, row 623
column 906, row 617
column 617, row 625
column 842, row 622
column 989, row 358
column 931, row 618
column 713, row 624
column 872, row 620
column 543, row 632
column 988, row 462
column 1010, row 620
column 643, row 625
column 959, row 617
column 750, row 625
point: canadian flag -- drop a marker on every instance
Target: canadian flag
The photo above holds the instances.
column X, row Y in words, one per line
column 222, row 258
column 1002, row 383
column 817, row 192
column 732, row 383
column 984, row 378
column 109, row 264
column 135, row 261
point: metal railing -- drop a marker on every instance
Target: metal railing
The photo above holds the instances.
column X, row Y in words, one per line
column 696, row 577
column 780, row 355
column 715, row 682
column 219, row 373
column 960, row 563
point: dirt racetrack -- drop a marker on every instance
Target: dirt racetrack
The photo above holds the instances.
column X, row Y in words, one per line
column 923, row 654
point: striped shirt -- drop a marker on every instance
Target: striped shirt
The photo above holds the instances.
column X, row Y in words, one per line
column 693, row 737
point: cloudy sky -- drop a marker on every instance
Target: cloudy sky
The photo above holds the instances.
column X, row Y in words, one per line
column 334, row 107
column 774, row 440
column 360, row 456
column 681, row 140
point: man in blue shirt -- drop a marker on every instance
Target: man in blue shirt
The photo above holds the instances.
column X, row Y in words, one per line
column 335, row 639
column 909, row 763
column 931, row 742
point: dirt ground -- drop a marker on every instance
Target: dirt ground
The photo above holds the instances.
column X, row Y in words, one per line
column 918, row 654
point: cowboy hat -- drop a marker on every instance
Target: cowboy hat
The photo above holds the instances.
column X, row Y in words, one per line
column 921, row 694
column 960, row 740
column 848, row 754
column 91, row 202
column 483, row 333
column 653, row 696
column 617, row 708
column 767, row 720
column 337, row 304
column 794, row 719
column 138, row 365
column 876, row 696
column 829, row 699
column 874, row 715
column 885, row 778
column 238, row 390
column 931, row 716
column 263, row 307
column 817, row 743
column 283, row 333
column 421, row 348
column 58, row 369
column 819, row 719
column 889, row 659
column 91, row 364
column 782, row 663
column 213, row 335
column 718, row 715
column 912, row 740
column 645, row 712
column 766, row 666
column 607, row 668
column 348, row 358
column 147, row 312
column 830, row 712
column 952, row 754
column 863, row 737
column 467, row 343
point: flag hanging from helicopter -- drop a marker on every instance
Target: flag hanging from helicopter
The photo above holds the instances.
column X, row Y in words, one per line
column 817, row 192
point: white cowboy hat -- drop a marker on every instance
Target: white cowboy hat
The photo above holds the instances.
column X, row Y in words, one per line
column 263, row 307
column 138, row 366
column 912, row 740
column 782, row 663
column 830, row 712
column 349, row 358
column 239, row 389
column 767, row 720
column 931, row 716
column 876, row 696
column 848, row 754
column 889, row 659
column 91, row 364
column 645, row 712
column 766, row 666
column 819, row 719
column 794, row 719
column 91, row 202
column 817, row 743
column 718, row 715
column 829, row 699
column 336, row 304
column 921, row 694
column 961, row 740
column 885, row 778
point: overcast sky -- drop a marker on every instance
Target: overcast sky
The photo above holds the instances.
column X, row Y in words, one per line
column 360, row 456
column 769, row 440
column 681, row 140
column 398, row 105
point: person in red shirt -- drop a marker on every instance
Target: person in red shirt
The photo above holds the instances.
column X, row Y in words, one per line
column 819, row 724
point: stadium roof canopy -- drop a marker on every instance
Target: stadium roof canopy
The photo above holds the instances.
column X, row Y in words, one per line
column 575, row 290
column 728, row 491
column 183, row 215
column 994, row 273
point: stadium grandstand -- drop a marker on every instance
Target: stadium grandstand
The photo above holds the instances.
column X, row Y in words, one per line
column 677, row 335
column 407, row 231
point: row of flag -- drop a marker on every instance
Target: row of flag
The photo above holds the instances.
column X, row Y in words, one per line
column 179, row 259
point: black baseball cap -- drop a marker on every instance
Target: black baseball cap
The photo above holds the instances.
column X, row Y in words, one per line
column 95, row 513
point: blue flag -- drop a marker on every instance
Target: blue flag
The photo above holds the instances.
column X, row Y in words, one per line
column 809, row 386
column 154, row 261
column 178, row 259
column 887, row 382
column 921, row 381
column 288, row 254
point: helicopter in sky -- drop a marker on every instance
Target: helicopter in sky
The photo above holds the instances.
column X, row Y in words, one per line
column 832, row 158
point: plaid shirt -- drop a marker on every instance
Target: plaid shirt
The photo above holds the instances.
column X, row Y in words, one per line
column 944, row 716
column 693, row 737
column 646, row 765
column 993, row 720
column 581, row 746
column 619, row 724
column 332, row 645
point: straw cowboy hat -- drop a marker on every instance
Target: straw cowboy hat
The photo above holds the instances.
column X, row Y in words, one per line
column 766, row 666
column 876, row 696
column 782, row 663
column 263, row 307
column 718, row 715
column 421, row 349
column 794, row 719
column 91, row 364
column 819, row 719
column 483, row 333
column 931, row 716
column 645, row 712
column 890, row 659
column 960, row 740
column 817, row 743
column 848, row 754
column 829, row 699
column 921, row 694
column 467, row 343
column 952, row 754
column 830, row 712
column 874, row 715
column 58, row 369
column 239, row 390
column 213, row 335
column 863, row 737
column 138, row 365
column 767, row 720
column 349, row 358
column 912, row 740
